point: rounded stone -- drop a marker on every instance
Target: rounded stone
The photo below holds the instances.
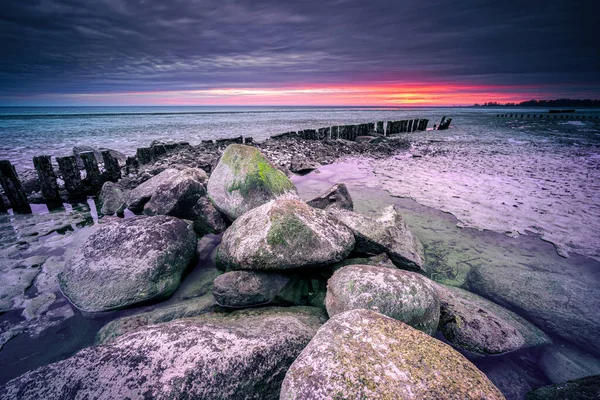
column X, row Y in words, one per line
column 402, row 295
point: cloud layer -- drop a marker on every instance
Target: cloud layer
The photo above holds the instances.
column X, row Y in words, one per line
column 72, row 47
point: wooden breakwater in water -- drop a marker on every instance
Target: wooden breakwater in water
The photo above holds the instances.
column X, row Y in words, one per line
column 76, row 185
column 549, row 115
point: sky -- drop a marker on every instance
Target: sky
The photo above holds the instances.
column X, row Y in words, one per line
column 302, row 52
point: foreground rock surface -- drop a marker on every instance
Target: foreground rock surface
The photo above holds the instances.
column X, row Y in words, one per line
column 566, row 363
column 226, row 356
column 386, row 233
column 579, row 389
column 128, row 261
column 549, row 296
column 402, row 295
column 335, row 197
column 113, row 198
column 475, row 324
column 244, row 179
column 361, row 354
column 284, row 234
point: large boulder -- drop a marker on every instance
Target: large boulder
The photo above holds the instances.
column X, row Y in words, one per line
column 284, row 234
column 248, row 288
column 579, row 389
column 361, row 354
column 113, row 198
column 242, row 355
column 140, row 195
column 167, row 313
column 176, row 196
column 386, row 233
column 560, row 301
column 473, row 323
column 402, row 295
column 336, row 196
column 564, row 363
column 244, row 179
column 128, row 261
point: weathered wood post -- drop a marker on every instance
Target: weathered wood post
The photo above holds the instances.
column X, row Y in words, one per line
column 93, row 178
column 67, row 167
column 13, row 188
column 46, row 177
column 379, row 128
column 410, row 122
column 371, row 127
column 335, row 132
column 112, row 171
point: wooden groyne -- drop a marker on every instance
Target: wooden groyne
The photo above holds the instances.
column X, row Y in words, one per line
column 548, row 115
column 76, row 185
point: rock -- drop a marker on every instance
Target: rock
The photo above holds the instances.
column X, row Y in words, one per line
column 565, row 363
column 177, row 195
column 128, row 261
column 248, row 288
column 578, row 389
column 77, row 150
column 121, row 157
column 336, row 197
column 386, row 233
column 402, row 295
column 361, row 354
column 207, row 219
column 113, row 198
column 182, row 309
column 563, row 303
column 17, row 277
column 242, row 355
column 139, row 196
column 472, row 323
column 303, row 166
column 283, row 234
column 244, row 179
column 381, row 260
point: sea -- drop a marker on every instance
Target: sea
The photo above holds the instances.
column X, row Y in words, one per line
column 503, row 189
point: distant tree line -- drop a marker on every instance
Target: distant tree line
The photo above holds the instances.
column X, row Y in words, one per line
column 545, row 103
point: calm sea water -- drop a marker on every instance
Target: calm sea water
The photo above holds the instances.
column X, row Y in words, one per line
column 26, row 132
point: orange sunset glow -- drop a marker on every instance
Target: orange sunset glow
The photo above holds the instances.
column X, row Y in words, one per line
column 415, row 94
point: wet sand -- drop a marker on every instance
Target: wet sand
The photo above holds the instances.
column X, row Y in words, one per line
column 515, row 188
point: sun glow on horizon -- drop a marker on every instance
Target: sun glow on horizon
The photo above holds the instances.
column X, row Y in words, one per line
column 405, row 94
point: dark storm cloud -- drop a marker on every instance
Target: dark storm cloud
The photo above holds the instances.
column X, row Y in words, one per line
column 74, row 46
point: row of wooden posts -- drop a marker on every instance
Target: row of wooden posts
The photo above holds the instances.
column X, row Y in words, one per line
column 351, row 132
column 75, row 186
column 547, row 116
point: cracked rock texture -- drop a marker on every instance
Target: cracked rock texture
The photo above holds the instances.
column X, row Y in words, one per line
column 242, row 355
column 361, row 354
column 128, row 261
column 402, row 295
column 283, row 234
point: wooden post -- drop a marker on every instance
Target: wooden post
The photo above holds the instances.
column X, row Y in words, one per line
column 335, row 132
column 371, row 127
column 93, row 176
column 132, row 165
column 144, row 155
column 46, row 177
column 410, row 125
column 379, row 128
column 67, row 167
column 112, row 171
column 13, row 188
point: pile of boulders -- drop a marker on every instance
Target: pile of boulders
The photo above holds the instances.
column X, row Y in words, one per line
column 264, row 332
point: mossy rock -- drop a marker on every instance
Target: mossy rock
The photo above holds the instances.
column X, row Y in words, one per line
column 361, row 354
column 244, row 179
column 402, row 295
column 284, row 234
